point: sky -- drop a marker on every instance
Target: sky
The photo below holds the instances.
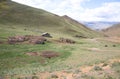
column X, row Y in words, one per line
column 81, row 10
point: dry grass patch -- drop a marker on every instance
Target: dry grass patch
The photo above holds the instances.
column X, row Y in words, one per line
column 32, row 54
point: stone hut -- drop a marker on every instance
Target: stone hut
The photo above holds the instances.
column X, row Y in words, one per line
column 46, row 35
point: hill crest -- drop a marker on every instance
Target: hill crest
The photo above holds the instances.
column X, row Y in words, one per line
column 113, row 30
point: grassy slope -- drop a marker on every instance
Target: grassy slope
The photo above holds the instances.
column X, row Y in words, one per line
column 13, row 59
column 76, row 25
column 113, row 31
column 17, row 17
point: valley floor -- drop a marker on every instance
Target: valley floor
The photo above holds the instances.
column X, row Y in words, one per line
column 96, row 58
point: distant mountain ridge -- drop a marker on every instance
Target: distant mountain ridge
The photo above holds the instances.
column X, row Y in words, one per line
column 114, row 30
column 99, row 25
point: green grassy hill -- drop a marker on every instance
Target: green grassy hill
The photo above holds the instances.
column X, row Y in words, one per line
column 113, row 31
column 26, row 61
column 18, row 19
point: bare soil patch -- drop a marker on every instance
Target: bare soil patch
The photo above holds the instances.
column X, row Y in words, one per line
column 49, row 54
column 1, row 42
column 86, row 69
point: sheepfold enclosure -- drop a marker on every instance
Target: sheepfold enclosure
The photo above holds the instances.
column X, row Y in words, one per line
column 30, row 39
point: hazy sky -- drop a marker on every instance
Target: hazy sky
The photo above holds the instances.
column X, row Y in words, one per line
column 82, row 10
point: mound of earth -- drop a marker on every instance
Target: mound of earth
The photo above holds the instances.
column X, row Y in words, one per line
column 29, row 38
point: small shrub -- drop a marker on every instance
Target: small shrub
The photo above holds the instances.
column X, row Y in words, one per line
column 108, row 77
column 25, row 29
column 79, row 36
column 35, row 77
column 114, row 45
column 64, row 77
column 87, row 77
column 54, row 76
column 84, row 76
column 77, row 71
column 97, row 68
column 19, row 78
column 106, row 45
column 34, row 73
column 116, row 66
column 68, row 71
column 105, row 64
